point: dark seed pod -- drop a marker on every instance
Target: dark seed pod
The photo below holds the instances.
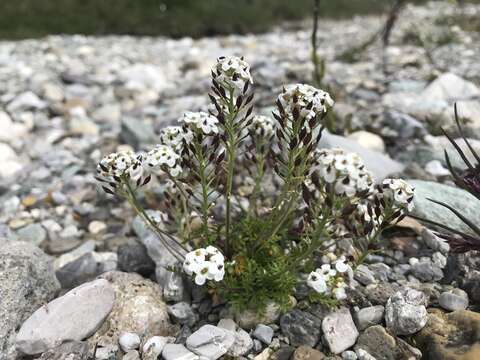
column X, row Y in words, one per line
column 245, row 87
column 107, row 190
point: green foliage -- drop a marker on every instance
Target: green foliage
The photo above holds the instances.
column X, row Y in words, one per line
column 260, row 273
column 33, row 18
column 322, row 299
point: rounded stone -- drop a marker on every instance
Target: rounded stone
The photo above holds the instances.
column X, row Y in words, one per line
column 73, row 316
column 453, row 300
column 129, row 341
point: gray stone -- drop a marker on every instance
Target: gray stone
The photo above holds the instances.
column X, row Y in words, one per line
column 138, row 308
column 364, row 355
column 242, row 345
column 210, row 341
column 364, row 275
column 78, row 271
column 27, row 281
column 136, row 132
column 182, row 313
column 33, row 233
column 405, row 126
column 71, row 350
column 154, row 346
column 106, row 352
column 339, row 330
column 453, row 300
column 131, row 355
column 227, row 324
column 434, row 242
column 10, row 162
column 382, row 271
column 129, row 341
column 369, row 316
column 139, row 76
column 133, row 257
column 450, row 87
column 427, row 271
column 378, row 294
column 73, row 316
column 405, row 312
column 26, row 101
column 307, row 353
column 407, row 85
column 263, row 333
column 174, row 287
column 248, row 319
column 455, row 197
column 178, row 352
column 162, row 257
column 377, row 342
column 349, row 355
column 301, row 328
column 379, row 164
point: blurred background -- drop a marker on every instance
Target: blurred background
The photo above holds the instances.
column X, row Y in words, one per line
column 80, row 79
column 176, row 18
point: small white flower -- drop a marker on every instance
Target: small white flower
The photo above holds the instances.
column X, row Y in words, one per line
column 205, row 264
column 263, row 126
column 317, row 282
column 341, row 265
column 309, row 100
column 345, row 171
column 327, row 271
column 232, row 72
column 164, row 158
column 120, row 166
column 174, row 136
column 200, row 121
column 400, row 192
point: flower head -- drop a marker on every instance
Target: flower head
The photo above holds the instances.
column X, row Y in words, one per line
column 118, row 167
column 317, row 282
column 344, row 171
column 262, row 126
column 164, row 158
column 174, row 136
column 232, row 73
column 205, row 264
column 400, row 192
column 200, row 121
column 329, row 279
column 308, row 100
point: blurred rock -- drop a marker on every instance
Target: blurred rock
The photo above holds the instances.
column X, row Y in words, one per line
column 27, row 281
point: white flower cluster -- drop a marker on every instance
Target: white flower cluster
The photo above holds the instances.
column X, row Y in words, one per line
column 205, row 264
column 262, row 126
column 164, row 158
column 345, row 171
column 200, row 121
column 308, row 99
column 174, row 136
column 330, row 280
column 365, row 215
column 232, row 72
column 400, row 192
column 120, row 164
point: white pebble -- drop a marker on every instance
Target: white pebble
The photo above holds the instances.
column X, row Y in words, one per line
column 129, row 341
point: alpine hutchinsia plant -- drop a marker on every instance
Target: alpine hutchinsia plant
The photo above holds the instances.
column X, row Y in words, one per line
column 250, row 205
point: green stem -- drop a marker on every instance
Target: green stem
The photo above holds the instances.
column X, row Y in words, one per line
column 132, row 199
column 231, row 144
column 184, row 204
column 205, row 206
column 258, row 178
